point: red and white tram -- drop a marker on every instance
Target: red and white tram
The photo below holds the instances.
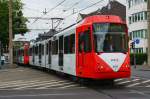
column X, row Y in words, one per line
column 95, row 48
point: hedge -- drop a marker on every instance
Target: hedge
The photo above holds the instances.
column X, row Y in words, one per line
column 140, row 59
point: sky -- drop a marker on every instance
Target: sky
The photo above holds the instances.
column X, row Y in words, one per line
column 35, row 8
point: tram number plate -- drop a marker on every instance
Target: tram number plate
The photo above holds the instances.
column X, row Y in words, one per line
column 115, row 67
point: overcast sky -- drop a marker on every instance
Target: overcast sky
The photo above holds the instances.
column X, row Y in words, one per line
column 34, row 8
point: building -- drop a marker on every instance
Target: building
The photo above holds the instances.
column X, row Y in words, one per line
column 113, row 8
column 138, row 24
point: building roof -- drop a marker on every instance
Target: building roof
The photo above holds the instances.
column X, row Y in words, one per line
column 113, row 8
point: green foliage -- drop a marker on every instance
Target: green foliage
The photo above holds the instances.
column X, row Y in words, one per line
column 140, row 58
column 19, row 21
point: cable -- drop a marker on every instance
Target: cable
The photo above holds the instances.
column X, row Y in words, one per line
column 76, row 3
column 85, row 8
column 51, row 10
column 36, row 10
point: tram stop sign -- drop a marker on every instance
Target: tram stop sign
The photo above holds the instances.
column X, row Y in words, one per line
column 137, row 41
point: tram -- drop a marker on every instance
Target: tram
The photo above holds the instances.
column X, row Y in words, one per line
column 95, row 48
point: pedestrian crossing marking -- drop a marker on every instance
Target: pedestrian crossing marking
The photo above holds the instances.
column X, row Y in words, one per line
column 124, row 82
column 54, row 85
column 143, row 82
column 69, row 86
column 45, row 84
column 25, row 83
column 116, row 80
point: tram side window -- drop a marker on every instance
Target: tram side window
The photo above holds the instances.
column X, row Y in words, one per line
column 69, row 44
column 36, row 50
column 30, row 51
column 85, row 41
column 42, row 49
column 72, row 43
column 46, row 48
column 66, row 45
column 22, row 54
column 39, row 49
column 55, row 47
column 33, row 50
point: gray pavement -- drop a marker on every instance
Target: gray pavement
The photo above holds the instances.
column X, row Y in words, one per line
column 141, row 71
column 28, row 83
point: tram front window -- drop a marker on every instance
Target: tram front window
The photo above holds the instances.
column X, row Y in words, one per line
column 110, row 37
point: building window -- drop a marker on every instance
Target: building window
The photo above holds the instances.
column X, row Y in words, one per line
column 140, row 16
column 135, row 2
column 139, row 34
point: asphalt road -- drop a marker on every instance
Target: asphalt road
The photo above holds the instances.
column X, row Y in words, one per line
column 27, row 83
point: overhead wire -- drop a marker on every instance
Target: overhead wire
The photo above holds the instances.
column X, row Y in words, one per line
column 85, row 8
column 50, row 10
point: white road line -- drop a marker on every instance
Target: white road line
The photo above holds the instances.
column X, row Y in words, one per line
column 128, row 81
column 26, row 83
column 9, row 80
column 19, row 82
column 123, row 82
column 135, row 84
column 54, row 85
column 146, row 81
column 116, row 80
column 131, row 85
column 35, row 95
column 69, row 86
column 28, row 86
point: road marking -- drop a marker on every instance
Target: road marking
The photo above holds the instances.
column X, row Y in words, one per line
column 25, row 83
column 128, row 81
column 146, row 81
column 28, row 86
column 69, row 86
column 131, row 85
column 135, row 84
column 116, row 80
column 35, row 95
column 54, row 85
column 148, row 86
column 9, row 80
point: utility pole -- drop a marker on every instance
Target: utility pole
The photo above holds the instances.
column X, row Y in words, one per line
column 10, row 35
column 0, row 54
column 148, row 29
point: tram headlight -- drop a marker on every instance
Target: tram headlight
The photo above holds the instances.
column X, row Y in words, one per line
column 127, row 66
column 100, row 67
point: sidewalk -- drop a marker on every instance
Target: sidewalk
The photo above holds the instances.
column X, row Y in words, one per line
column 141, row 67
column 141, row 71
column 6, row 66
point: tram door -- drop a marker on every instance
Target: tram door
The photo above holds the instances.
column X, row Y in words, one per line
column 61, row 42
column 49, row 52
column 84, row 48
column 81, row 49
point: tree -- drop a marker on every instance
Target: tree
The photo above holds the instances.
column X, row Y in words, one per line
column 19, row 21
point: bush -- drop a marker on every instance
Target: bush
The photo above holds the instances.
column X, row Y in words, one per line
column 140, row 59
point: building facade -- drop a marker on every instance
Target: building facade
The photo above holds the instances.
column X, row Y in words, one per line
column 137, row 23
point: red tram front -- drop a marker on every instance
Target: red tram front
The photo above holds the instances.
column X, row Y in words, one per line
column 102, row 48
